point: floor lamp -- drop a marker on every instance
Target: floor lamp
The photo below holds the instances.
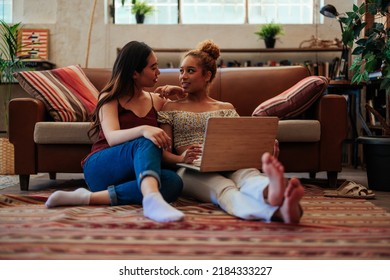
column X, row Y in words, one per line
column 331, row 12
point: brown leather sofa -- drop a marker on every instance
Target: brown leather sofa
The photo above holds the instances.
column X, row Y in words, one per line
column 310, row 143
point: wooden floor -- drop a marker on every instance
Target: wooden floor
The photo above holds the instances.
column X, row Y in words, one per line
column 357, row 175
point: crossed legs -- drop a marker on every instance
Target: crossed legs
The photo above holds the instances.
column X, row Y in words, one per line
column 116, row 183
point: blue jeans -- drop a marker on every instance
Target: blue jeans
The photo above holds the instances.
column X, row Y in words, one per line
column 120, row 170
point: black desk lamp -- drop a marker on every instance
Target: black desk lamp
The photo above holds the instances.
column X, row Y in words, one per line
column 331, row 12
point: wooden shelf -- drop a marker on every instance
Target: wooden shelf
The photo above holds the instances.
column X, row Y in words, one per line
column 259, row 50
column 344, row 83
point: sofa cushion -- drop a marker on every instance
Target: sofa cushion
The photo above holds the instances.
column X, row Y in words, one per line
column 62, row 133
column 295, row 100
column 77, row 132
column 299, row 131
column 66, row 92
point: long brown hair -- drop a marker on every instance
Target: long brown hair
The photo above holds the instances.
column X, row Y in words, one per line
column 132, row 57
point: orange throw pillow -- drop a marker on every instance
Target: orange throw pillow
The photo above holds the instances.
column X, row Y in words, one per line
column 68, row 95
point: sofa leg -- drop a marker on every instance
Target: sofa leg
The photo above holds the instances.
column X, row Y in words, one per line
column 24, row 181
column 332, row 179
column 52, row 175
column 312, row 175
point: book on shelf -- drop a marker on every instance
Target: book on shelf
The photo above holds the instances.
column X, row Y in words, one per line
column 335, row 68
column 327, row 69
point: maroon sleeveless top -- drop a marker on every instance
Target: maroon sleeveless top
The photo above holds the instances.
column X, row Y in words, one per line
column 127, row 119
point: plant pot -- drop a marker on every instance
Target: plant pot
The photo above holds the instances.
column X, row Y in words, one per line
column 139, row 18
column 269, row 43
column 376, row 151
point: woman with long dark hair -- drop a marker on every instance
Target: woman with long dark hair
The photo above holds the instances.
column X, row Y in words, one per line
column 124, row 166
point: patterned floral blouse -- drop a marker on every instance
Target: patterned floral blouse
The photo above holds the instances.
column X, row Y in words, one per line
column 189, row 127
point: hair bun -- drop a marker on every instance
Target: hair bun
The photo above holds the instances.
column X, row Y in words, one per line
column 210, row 48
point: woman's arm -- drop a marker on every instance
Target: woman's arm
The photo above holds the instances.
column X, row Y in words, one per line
column 188, row 156
column 161, row 95
column 169, row 158
column 114, row 135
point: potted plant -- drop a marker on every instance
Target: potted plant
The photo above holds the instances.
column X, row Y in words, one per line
column 268, row 33
column 371, row 51
column 140, row 9
column 9, row 63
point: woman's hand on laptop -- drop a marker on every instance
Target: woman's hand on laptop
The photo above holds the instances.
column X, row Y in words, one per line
column 192, row 153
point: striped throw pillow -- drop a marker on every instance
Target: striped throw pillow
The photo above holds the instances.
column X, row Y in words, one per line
column 67, row 93
column 295, row 100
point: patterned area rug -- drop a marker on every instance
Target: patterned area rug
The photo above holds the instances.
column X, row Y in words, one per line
column 331, row 228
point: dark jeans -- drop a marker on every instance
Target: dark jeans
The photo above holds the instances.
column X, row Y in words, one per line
column 120, row 170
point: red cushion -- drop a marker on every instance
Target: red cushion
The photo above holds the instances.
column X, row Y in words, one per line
column 295, row 100
column 67, row 93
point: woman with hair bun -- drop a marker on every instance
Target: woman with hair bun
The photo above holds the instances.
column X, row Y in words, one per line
column 245, row 193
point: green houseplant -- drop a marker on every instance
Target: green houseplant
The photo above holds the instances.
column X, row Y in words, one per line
column 9, row 60
column 140, row 9
column 9, row 63
column 371, row 51
column 268, row 33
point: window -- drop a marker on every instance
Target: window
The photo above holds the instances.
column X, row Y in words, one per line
column 6, row 10
column 213, row 11
column 281, row 11
column 166, row 12
column 222, row 11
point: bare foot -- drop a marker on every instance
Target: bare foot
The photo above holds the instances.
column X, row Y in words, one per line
column 277, row 183
column 291, row 211
column 276, row 149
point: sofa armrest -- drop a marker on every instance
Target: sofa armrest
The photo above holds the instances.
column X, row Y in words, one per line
column 332, row 113
column 24, row 113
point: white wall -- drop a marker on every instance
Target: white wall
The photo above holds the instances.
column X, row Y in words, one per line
column 68, row 21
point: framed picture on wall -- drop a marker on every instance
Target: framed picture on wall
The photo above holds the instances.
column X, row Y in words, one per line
column 35, row 44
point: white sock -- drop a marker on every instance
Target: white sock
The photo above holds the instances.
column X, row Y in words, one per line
column 157, row 209
column 80, row 196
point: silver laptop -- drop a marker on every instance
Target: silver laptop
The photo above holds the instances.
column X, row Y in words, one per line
column 235, row 143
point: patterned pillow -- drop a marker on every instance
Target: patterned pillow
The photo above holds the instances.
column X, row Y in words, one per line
column 295, row 100
column 67, row 93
